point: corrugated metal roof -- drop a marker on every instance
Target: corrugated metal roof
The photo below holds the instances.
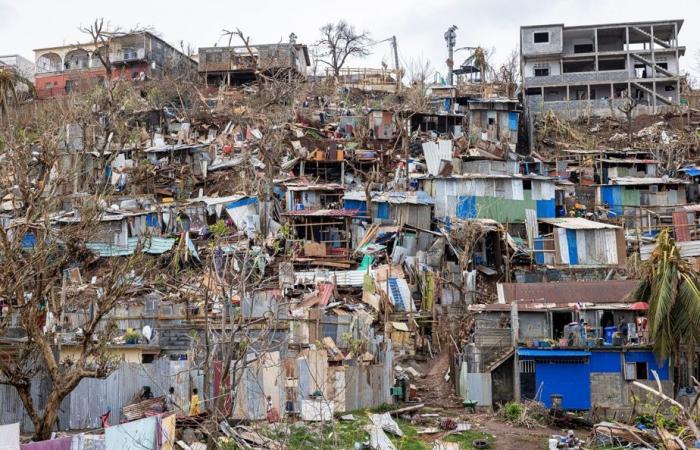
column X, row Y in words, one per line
column 435, row 152
column 552, row 353
column 565, row 292
column 687, row 249
column 153, row 246
column 313, row 187
column 394, row 197
column 643, row 181
column 323, row 213
column 168, row 148
column 341, row 277
column 578, row 223
column 217, row 200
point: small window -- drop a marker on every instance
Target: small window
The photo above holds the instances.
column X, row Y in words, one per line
column 583, row 48
column 533, row 91
column 147, row 358
column 636, row 371
column 541, row 71
column 541, row 37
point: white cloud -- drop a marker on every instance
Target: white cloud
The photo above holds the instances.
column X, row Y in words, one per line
column 418, row 25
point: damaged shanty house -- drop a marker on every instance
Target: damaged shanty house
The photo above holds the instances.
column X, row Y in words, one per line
column 564, row 342
column 239, row 65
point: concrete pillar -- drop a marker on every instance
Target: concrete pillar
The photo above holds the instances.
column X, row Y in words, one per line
column 515, row 331
column 630, row 69
column 568, row 96
column 595, row 47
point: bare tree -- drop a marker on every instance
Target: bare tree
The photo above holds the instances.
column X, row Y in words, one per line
column 35, row 293
column 627, row 108
column 508, row 75
column 339, row 42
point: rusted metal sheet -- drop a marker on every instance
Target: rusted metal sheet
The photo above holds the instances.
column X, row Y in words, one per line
column 681, row 229
column 603, row 291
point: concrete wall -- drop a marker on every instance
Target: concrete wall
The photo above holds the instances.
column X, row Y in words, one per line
column 530, row 48
column 577, row 37
column 578, row 108
column 533, row 326
column 529, row 66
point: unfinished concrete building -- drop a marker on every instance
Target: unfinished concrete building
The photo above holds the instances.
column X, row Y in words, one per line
column 591, row 69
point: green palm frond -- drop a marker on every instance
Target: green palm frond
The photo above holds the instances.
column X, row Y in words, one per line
column 670, row 286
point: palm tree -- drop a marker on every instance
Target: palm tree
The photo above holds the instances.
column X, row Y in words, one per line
column 10, row 81
column 671, row 287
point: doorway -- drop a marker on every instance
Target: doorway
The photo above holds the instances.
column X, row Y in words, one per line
column 559, row 320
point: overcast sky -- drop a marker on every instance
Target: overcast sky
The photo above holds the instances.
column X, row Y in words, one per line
column 418, row 24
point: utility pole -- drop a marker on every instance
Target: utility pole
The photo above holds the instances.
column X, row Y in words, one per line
column 395, row 48
column 451, row 40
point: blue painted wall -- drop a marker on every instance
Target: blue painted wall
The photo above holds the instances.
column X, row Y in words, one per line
column 612, row 195
column 649, row 358
column 571, row 378
column 355, row 204
column 539, row 245
column 546, row 209
column 382, row 210
column 573, row 250
column 605, row 362
column 568, row 379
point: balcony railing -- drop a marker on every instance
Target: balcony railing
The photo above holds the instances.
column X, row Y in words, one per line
column 126, row 56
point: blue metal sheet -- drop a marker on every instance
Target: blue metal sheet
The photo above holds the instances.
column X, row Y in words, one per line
column 242, row 202
column 571, row 381
column 544, row 353
column 573, row 250
column 382, row 210
column 355, row 204
column 28, row 240
column 612, row 196
column 513, row 121
column 539, row 255
column 546, row 209
column 466, row 207
column 153, row 245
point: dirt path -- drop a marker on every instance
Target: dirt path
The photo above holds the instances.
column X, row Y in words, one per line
column 509, row 437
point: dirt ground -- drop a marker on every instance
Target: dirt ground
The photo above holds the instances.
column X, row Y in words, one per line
column 508, row 437
column 435, row 392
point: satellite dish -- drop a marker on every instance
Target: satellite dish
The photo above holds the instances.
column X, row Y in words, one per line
column 147, row 332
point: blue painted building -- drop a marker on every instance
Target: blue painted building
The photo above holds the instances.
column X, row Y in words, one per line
column 571, row 373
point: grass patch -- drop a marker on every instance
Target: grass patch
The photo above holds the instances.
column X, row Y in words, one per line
column 465, row 439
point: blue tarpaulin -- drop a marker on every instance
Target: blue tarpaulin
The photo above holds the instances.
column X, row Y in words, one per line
column 466, row 207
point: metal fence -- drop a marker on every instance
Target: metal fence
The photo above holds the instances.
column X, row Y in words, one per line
column 93, row 397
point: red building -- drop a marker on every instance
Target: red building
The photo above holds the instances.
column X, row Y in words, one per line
column 135, row 56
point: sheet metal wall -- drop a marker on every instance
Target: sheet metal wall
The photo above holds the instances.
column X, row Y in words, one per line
column 93, row 397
